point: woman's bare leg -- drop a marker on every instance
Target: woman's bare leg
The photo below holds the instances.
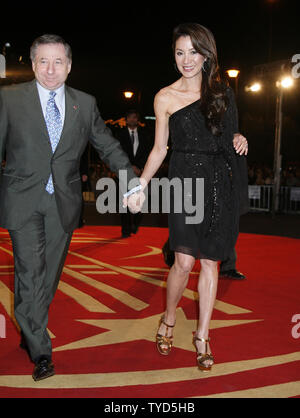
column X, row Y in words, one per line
column 207, row 288
column 176, row 284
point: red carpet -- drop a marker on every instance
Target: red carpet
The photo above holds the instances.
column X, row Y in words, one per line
column 105, row 314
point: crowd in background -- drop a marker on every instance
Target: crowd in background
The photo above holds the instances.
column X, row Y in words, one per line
column 258, row 174
column 262, row 174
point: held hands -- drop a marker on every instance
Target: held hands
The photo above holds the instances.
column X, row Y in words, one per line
column 240, row 144
column 136, row 200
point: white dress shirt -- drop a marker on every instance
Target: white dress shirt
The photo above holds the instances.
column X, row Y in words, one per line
column 59, row 99
column 136, row 139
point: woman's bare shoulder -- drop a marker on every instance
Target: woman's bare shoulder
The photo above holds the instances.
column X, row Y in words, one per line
column 164, row 94
column 165, row 97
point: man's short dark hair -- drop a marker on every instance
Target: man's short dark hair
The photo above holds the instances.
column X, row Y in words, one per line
column 132, row 112
column 49, row 39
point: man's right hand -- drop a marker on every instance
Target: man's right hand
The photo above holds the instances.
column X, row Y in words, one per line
column 135, row 202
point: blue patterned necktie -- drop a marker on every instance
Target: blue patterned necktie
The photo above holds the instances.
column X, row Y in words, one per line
column 54, row 126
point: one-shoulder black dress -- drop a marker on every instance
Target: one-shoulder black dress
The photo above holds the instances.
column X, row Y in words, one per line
column 198, row 154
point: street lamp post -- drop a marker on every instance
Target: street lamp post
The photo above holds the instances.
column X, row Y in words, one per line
column 131, row 95
column 5, row 46
column 128, row 94
column 233, row 73
column 285, row 83
column 254, row 88
column 277, row 149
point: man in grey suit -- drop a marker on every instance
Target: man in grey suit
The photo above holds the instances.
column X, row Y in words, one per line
column 44, row 129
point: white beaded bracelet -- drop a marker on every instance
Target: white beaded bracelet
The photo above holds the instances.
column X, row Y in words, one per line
column 132, row 191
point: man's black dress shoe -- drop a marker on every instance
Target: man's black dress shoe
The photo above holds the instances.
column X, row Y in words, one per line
column 134, row 229
column 232, row 274
column 44, row 368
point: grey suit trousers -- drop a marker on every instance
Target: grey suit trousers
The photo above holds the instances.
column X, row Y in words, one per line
column 40, row 248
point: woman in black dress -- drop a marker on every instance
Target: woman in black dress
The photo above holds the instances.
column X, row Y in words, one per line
column 199, row 112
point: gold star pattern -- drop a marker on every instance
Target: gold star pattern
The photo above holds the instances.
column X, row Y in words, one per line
column 126, row 330
column 116, row 331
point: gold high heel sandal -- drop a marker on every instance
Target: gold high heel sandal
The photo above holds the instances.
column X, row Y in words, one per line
column 164, row 343
column 202, row 358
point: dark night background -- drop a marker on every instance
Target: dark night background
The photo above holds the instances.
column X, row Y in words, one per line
column 118, row 46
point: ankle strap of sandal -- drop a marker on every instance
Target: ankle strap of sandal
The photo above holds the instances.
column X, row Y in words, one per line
column 203, row 340
column 168, row 326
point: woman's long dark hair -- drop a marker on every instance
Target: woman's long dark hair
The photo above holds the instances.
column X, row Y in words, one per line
column 213, row 90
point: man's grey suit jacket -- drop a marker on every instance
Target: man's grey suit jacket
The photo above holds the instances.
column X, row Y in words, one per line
column 29, row 158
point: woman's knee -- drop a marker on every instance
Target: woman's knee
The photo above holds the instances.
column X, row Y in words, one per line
column 184, row 263
column 209, row 265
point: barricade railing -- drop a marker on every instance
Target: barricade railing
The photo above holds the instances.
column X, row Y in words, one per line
column 261, row 197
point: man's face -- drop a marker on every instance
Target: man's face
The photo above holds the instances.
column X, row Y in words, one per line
column 51, row 66
column 132, row 120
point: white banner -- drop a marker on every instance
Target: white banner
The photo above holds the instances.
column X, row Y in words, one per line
column 254, row 192
column 295, row 194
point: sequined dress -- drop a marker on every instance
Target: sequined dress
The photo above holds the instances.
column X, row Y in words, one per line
column 198, row 154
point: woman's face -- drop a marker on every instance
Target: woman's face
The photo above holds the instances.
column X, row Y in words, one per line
column 189, row 62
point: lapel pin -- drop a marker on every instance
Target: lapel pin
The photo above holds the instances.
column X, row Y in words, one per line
column 75, row 107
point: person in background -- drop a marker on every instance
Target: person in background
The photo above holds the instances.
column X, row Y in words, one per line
column 259, row 177
column 228, row 268
column 136, row 143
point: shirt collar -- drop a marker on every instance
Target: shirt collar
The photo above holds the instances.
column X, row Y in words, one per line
column 132, row 130
column 59, row 92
